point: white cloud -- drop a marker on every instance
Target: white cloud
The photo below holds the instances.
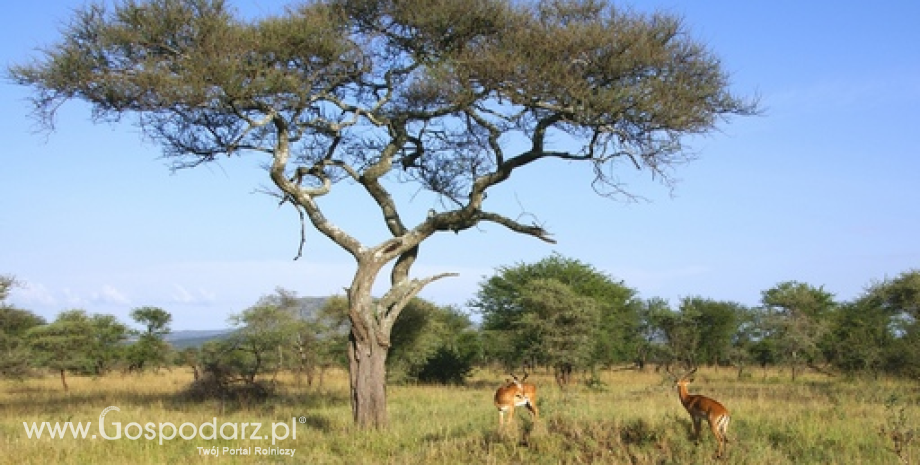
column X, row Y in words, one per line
column 32, row 294
column 201, row 296
column 110, row 295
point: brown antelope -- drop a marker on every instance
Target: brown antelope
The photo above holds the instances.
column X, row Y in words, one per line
column 703, row 408
column 515, row 393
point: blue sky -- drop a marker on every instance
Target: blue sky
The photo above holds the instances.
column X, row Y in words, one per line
column 823, row 188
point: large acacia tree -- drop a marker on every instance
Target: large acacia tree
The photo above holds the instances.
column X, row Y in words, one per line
column 453, row 96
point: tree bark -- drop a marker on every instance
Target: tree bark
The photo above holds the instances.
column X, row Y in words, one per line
column 367, row 352
column 367, row 367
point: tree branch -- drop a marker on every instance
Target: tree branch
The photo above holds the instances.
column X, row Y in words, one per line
column 531, row 230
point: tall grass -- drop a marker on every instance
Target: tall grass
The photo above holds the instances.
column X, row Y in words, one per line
column 632, row 418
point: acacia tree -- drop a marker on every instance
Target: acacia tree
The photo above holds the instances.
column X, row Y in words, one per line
column 503, row 304
column 14, row 324
column 716, row 322
column 151, row 347
column 64, row 344
column 451, row 96
column 561, row 326
column 798, row 315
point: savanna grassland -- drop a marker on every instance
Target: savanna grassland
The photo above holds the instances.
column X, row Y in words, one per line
column 634, row 418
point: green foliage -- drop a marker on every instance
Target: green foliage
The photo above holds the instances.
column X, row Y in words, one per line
column 278, row 332
column 446, row 366
column 716, row 324
column 150, row 349
column 797, row 319
column 64, row 344
column 264, row 332
column 108, row 337
column 155, row 320
column 14, row 345
column 615, row 306
column 879, row 331
column 432, row 344
column 560, row 327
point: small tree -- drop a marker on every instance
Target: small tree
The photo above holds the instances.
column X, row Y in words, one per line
column 451, row 96
column 460, row 348
column 264, row 333
column 14, row 345
column 717, row 322
column 108, row 337
column 14, row 324
column 798, row 316
column 896, row 303
column 560, row 327
column 151, row 347
column 616, row 305
column 65, row 344
column 432, row 344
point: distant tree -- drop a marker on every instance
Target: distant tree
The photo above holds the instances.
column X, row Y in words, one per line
column 449, row 96
column 798, row 316
column 432, row 344
column 677, row 333
column 155, row 320
column 560, row 327
column 14, row 346
column 151, row 348
column 717, row 322
column 65, row 344
column 108, row 342
column 896, row 302
column 460, row 348
column 742, row 351
column 860, row 337
column 324, row 339
column 264, row 332
column 190, row 357
column 499, row 302
column 652, row 339
column 238, row 366
column 416, row 337
column 14, row 324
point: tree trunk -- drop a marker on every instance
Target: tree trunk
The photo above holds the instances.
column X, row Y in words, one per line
column 367, row 353
column 367, row 368
column 64, row 379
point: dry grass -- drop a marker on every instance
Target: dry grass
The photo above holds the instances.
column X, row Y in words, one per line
column 636, row 418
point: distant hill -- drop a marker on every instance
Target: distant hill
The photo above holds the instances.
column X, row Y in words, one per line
column 196, row 338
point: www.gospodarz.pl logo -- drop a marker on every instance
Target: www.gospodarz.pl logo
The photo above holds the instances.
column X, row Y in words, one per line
column 167, row 431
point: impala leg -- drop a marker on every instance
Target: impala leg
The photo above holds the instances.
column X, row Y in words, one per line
column 723, row 428
column 696, row 428
column 720, row 438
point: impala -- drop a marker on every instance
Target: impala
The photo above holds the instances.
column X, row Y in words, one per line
column 515, row 393
column 703, row 408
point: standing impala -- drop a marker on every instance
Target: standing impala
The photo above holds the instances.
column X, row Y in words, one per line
column 515, row 393
column 703, row 408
